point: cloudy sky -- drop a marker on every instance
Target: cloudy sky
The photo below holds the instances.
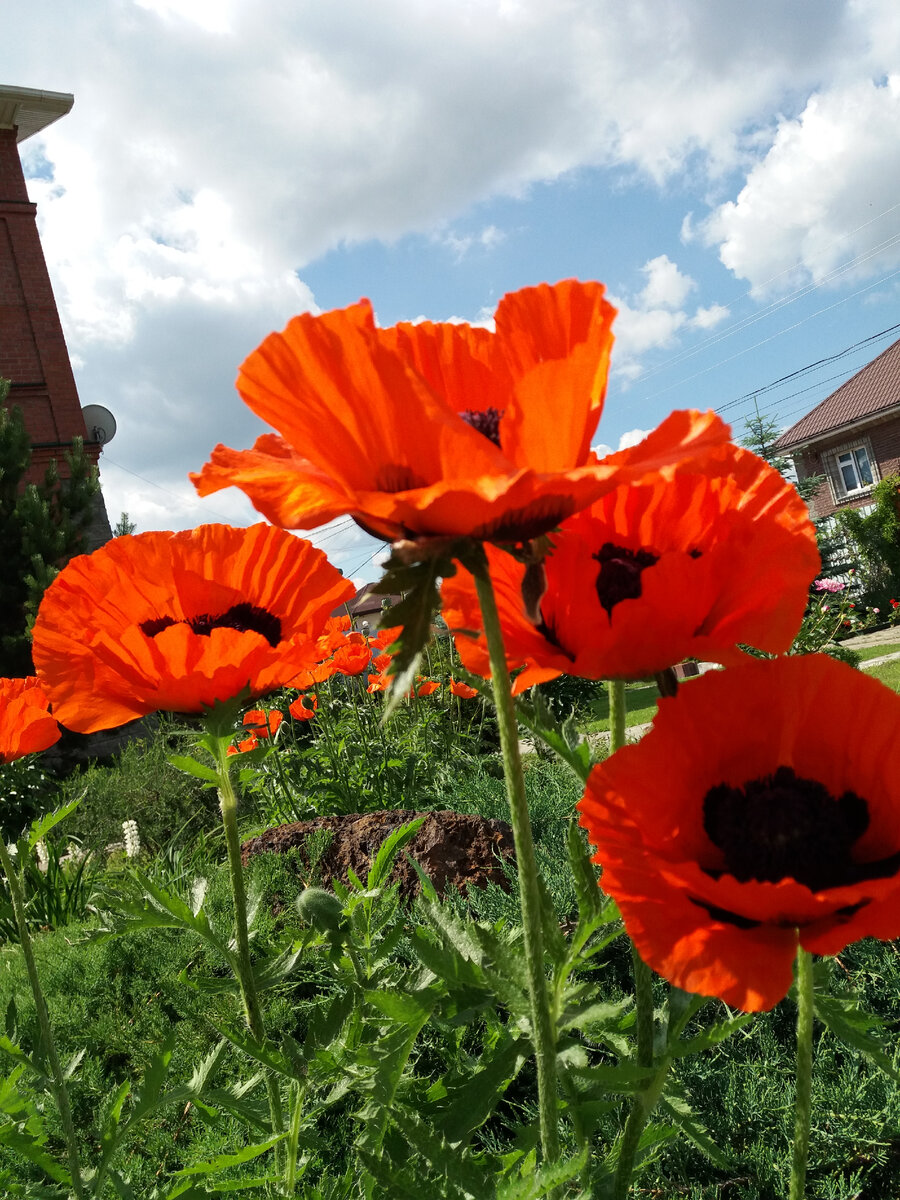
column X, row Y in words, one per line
column 731, row 171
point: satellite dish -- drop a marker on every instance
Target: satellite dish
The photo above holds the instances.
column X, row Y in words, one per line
column 100, row 423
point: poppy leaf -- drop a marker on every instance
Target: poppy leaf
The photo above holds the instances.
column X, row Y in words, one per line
column 459, row 1177
column 40, row 828
column 538, row 717
column 223, row 1161
column 190, row 766
column 544, row 1180
column 854, row 1026
column 388, row 851
column 419, row 583
column 677, row 1110
column 472, row 1101
column 709, row 1037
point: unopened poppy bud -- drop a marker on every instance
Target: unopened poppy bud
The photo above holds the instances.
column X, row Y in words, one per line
column 321, row 909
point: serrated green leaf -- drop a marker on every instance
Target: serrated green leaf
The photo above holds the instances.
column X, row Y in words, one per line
column 852, row 1025
column 712, row 1036
column 545, row 1179
column 537, row 716
column 32, row 1149
column 471, row 1102
column 459, row 1179
column 622, row 1079
column 418, row 584
column 223, row 1161
column 595, row 1014
column 39, row 1079
column 388, row 851
column 677, row 1110
column 190, row 766
column 42, row 826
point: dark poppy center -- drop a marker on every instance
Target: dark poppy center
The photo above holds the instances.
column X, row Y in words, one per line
column 241, row 617
column 619, row 577
column 486, row 422
column 783, row 826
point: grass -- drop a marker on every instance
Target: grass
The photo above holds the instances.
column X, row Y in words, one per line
column 867, row 652
column 888, row 673
column 640, row 707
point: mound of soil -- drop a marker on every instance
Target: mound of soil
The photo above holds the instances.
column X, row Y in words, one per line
column 456, row 850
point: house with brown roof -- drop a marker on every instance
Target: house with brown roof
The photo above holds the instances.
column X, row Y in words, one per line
column 852, row 437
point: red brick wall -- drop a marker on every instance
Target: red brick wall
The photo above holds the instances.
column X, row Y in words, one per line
column 33, row 354
column 882, row 441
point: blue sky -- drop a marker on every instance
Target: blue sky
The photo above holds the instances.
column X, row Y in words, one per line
column 731, row 172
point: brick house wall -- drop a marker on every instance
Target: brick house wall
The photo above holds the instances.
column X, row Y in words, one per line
column 33, row 353
column 880, row 439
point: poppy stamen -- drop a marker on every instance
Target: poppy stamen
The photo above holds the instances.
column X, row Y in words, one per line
column 783, row 826
column 240, row 617
column 243, row 618
column 486, row 423
column 619, row 577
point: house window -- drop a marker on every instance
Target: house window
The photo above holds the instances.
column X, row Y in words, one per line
column 855, row 469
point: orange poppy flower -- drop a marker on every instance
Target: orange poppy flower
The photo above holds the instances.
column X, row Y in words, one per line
column 445, row 430
column 177, row 621
column 264, row 724
column 386, row 637
column 333, row 635
column 458, row 688
column 720, row 553
column 304, row 708
column 760, row 810
column 352, row 658
column 26, row 726
column 250, row 743
column 428, row 688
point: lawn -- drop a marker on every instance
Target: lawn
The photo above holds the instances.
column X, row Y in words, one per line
column 876, row 651
column 888, row 673
column 640, row 707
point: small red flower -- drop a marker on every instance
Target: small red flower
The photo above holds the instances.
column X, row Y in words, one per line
column 26, row 726
column 458, row 688
column 264, row 724
column 353, row 657
column 304, row 708
column 428, row 688
column 250, row 743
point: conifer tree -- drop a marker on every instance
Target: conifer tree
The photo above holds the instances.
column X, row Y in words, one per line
column 41, row 527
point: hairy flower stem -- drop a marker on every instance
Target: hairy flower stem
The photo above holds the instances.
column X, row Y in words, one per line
column 252, row 1008
column 529, row 891
column 805, row 1006
column 60, row 1091
column 616, row 692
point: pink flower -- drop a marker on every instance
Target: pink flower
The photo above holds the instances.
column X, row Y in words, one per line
column 828, row 585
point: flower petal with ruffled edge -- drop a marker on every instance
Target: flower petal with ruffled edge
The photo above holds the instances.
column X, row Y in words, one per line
column 443, row 430
column 26, row 726
column 645, row 810
column 177, row 621
column 687, row 563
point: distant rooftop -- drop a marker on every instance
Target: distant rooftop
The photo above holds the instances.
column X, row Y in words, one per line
column 29, row 110
column 868, row 393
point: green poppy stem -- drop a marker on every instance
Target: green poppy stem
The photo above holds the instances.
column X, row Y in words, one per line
column 616, row 692
column 802, row 1104
column 529, row 890
column 60, row 1091
column 249, row 995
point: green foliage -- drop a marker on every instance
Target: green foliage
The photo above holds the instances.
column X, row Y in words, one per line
column 41, row 527
column 876, row 536
column 123, row 526
column 760, row 436
column 139, row 784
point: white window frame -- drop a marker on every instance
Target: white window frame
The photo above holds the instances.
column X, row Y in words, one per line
column 839, row 489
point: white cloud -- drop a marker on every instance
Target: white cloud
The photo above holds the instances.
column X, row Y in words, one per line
column 666, row 286
column 811, row 208
column 626, row 441
column 708, row 318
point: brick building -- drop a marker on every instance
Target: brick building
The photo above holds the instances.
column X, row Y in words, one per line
column 33, row 354
column 852, row 437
